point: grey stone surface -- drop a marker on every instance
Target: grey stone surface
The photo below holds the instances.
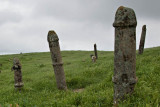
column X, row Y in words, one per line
column 95, row 51
column 17, row 73
column 124, row 78
column 53, row 41
column 142, row 41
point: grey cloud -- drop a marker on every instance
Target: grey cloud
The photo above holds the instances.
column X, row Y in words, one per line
column 7, row 16
column 98, row 11
column 75, row 10
column 78, row 23
column 90, row 10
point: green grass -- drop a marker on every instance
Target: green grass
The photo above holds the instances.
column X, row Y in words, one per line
column 94, row 78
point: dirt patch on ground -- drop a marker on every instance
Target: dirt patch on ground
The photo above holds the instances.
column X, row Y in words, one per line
column 78, row 90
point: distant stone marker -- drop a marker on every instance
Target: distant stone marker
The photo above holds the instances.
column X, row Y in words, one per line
column 17, row 73
column 0, row 68
column 53, row 41
column 93, row 58
column 95, row 51
column 142, row 41
column 124, row 78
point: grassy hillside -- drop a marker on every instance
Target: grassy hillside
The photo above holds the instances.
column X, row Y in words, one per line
column 89, row 84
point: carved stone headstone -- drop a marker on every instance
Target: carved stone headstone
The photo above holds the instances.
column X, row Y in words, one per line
column 95, row 51
column 17, row 73
column 124, row 78
column 142, row 41
column 53, row 41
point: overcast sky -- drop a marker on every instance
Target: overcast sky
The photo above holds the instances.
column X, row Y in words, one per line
column 24, row 24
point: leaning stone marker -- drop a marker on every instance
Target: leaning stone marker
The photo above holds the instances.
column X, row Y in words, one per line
column 95, row 51
column 142, row 41
column 124, row 78
column 17, row 73
column 53, row 41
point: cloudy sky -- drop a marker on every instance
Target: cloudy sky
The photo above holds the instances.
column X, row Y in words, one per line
column 24, row 24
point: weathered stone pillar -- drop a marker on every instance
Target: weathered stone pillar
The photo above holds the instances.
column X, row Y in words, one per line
column 17, row 73
column 142, row 41
column 95, row 51
column 124, row 78
column 53, row 41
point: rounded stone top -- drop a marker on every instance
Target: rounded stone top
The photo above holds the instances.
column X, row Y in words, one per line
column 52, row 36
column 16, row 61
column 125, row 17
column 144, row 27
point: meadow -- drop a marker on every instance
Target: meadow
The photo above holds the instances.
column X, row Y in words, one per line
column 89, row 84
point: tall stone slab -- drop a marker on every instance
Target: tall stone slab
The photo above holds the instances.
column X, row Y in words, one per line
column 95, row 51
column 142, row 41
column 53, row 41
column 124, row 78
column 17, row 73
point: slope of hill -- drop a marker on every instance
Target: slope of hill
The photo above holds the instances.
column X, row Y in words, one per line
column 89, row 84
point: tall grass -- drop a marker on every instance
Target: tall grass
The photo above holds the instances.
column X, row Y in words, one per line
column 94, row 79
